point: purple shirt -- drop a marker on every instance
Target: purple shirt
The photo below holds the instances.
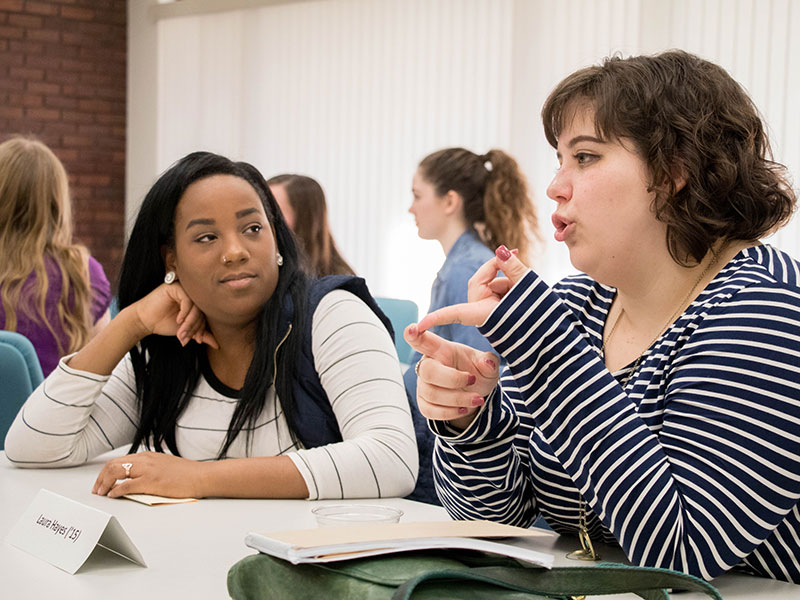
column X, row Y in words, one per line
column 40, row 336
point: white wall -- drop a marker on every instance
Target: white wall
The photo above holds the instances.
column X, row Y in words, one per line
column 356, row 92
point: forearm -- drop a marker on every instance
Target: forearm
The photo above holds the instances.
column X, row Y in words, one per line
column 257, row 477
column 480, row 473
column 72, row 417
column 106, row 349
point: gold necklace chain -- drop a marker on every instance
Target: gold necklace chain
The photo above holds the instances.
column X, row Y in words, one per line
column 587, row 551
column 671, row 319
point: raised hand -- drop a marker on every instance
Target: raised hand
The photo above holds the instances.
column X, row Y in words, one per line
column 485, row 290
column 453, row 379
column 168, row 310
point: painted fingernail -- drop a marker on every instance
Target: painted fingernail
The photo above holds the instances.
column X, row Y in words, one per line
column 491, row 363
column 463, row 410
column 413, row 330
column 515, row 251
column 471, row 379
column 502, row 253
column 477, row 401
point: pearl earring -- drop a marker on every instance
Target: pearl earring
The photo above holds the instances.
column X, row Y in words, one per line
column 279, row 260
column 170, row 277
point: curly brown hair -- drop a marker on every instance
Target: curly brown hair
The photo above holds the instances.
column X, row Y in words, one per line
column 688, row 119
column 494, row 193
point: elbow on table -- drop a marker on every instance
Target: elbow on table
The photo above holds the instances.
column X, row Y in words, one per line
column 405, row 470
column 25, row 448
column 17, row 446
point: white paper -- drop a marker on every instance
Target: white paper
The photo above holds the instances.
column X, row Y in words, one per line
column 64, row 532
column 152, row 500
column 344, row 543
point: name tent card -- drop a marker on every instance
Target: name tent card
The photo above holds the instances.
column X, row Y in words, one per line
column 64, row 532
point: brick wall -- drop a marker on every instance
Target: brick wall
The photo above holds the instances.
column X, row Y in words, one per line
column 62, row 78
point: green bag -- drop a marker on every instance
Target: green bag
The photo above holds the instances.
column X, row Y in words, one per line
column 425, row 575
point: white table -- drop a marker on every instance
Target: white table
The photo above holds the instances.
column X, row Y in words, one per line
column 190, row 547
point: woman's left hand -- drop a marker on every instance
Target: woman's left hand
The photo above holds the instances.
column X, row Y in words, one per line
column 485, row 290
column 150, row 473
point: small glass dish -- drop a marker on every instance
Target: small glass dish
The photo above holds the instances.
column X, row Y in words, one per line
column 342, row 515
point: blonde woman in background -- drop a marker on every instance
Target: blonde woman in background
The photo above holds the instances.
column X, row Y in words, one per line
column 302, row 203
column 51, row 290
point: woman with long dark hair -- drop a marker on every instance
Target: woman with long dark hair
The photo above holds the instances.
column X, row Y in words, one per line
column 224, row 348
column 304, row 209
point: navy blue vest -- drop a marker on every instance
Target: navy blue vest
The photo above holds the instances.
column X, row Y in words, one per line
column 315, row 423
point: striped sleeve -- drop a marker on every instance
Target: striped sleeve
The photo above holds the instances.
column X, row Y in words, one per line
column 74, row 416
column 712, row 481
column 479, row 473
column 358, row 367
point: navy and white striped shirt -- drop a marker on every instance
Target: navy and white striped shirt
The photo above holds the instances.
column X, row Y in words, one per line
column 694, row 465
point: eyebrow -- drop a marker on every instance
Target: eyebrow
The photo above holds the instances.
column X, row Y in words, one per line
column 584, row 138
column 239, row 215
column 194, row 222
column 245, row 212
column 581, row 138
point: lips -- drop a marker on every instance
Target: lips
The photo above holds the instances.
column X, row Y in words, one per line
column 563, row 227
column 237, row 280
column 235, row 276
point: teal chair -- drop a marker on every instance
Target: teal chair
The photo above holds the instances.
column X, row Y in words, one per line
column 113, row 308
column 20, row 373
column 401, row 313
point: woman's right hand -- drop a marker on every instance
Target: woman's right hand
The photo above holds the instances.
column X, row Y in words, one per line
column 452, row 379
column 168, row 310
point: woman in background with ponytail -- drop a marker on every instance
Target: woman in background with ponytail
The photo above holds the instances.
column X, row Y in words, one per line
column 470, row 204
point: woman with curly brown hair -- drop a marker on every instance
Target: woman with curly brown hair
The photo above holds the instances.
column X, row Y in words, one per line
column 653, row 402
column 51, row 290
column 469, row 203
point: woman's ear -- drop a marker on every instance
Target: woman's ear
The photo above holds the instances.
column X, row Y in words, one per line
column 168, row 256
column 679, row 176
column 452, row 202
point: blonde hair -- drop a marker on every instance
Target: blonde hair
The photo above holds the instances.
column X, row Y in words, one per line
column 495, row 194
column 36, row 223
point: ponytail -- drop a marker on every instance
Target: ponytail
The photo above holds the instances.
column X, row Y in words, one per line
column 508, row 212
column 494, row 194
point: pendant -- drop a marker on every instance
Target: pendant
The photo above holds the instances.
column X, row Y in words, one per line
column 587, row 551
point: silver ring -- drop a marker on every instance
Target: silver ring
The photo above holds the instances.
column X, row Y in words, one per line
column 416, row 366
column 127, row 467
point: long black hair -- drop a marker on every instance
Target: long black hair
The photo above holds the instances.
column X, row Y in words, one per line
column 166, row 373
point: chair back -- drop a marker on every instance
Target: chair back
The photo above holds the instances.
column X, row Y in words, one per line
column 113, row 308
column 20, row 374
column 401, row 313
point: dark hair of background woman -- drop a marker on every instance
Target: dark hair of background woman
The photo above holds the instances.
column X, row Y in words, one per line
column 167, row 373
column 311, row 224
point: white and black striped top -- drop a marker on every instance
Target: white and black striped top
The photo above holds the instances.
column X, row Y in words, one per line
column 75, row 415
column 694, row 465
